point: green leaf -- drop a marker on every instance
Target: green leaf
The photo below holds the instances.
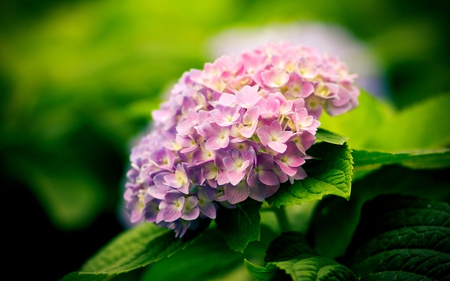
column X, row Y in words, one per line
column 395, row 275
column 368, row 161
column 290, row 254
column 135, row 248
column 333, row 224
column 329, row 173
column 303, row 267
column 316, row 268
column 327, row 136
column 76, row 276
column 373, row 125
column 335, row 220
column 430, row 184
column 424, row 125
column 208, row 257
column 360, row 123
column 240, row 226
column 262, row 273
column 402, row 236
column 287, row 246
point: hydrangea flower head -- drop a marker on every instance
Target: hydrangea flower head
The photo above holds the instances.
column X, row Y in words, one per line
column 236, row 129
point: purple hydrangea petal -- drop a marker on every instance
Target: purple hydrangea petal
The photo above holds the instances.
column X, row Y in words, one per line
column 238, row 193
column 190, row 209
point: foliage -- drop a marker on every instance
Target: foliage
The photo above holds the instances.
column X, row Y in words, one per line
column 379, row 230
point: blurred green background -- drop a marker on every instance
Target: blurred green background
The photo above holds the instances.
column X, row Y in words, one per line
column 78, row 80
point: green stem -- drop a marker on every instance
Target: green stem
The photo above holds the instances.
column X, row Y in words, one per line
column 282, row 218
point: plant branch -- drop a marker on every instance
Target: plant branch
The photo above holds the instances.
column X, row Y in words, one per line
column 282, row 218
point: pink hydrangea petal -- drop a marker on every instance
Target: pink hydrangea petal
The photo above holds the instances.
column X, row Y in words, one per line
column 171, row 213
column 264, row 134
column 284, row 136
column 268, row 177
column 234, row 177
column 222, row 178
column 277, row 146
column 190, row 209
column 301, row 174
column 290, row 171
column 151, row 211
column 272, row 106
column 136, row 215
column 306, row 90
column 258, row 193
column 214, row 143
column 275, row 128
column 248, row 96
column 295, row 161
column 274, row 77
column 236, row 194
column 208, row 209
column 252, row 178
column 271, row 190
column 229, row 163
column 265, row 161
column 227, row 100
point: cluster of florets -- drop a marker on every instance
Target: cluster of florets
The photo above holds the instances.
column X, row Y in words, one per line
column 237, row 129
